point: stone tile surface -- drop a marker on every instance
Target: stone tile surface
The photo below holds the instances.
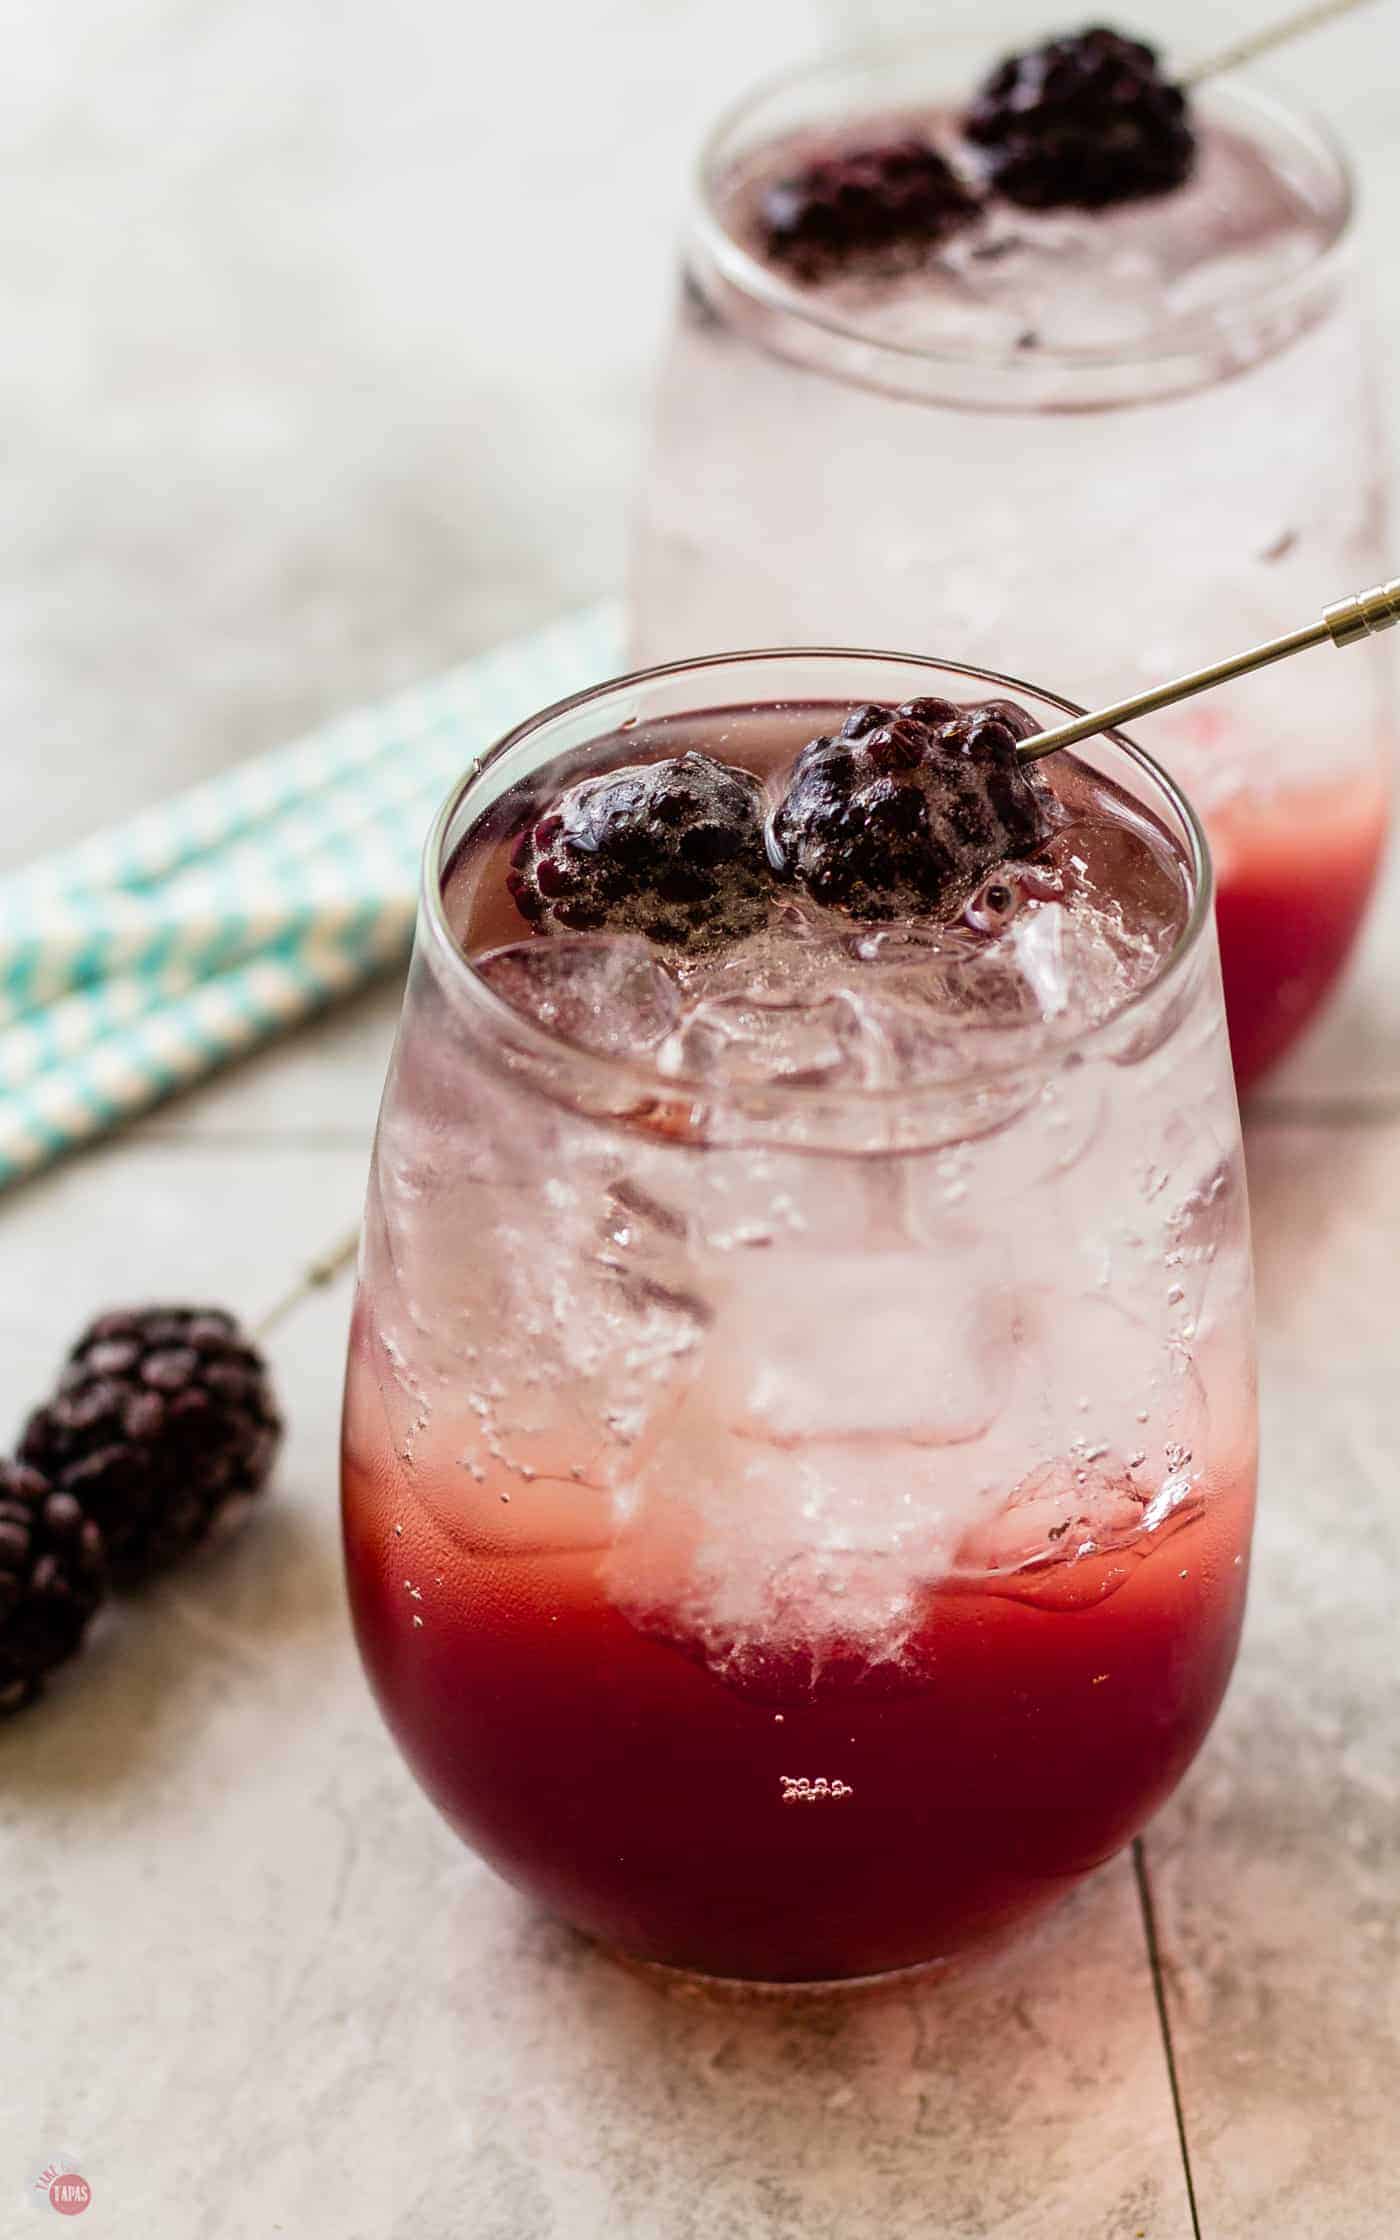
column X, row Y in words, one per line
column 1276, row 1869
column 326, row 351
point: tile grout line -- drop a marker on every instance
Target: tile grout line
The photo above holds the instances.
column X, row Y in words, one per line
column 1159, row 1995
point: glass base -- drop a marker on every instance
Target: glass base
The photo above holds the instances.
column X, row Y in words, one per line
column 820, row 1987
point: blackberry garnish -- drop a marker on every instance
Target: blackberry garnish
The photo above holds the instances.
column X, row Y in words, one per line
column 906, row 809
column 163, row 1426
column 1082, row 122
column 863, row 205
column 52, row 1578
column 673, row 850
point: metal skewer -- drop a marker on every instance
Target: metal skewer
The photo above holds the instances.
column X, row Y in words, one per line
column 1263, row 42
column 1345, row 624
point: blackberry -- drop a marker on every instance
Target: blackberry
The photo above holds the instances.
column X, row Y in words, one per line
column 1082, row 122
column 904, row 810
column 52, row 1578
column 673, row 850
column 873, row 204
column 163, row 1426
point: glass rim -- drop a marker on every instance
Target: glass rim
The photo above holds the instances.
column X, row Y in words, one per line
column 758, row 281
column 503, row 1017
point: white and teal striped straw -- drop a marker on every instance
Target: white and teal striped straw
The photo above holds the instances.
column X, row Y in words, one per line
column 141, row 959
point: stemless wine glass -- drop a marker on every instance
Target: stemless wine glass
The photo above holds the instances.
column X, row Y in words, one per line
column 1104, row 497
column 795, row 1530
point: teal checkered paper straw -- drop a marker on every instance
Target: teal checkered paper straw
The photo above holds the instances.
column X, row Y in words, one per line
column 142, row 959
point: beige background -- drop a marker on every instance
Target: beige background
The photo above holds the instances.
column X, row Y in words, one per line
column 324, row 357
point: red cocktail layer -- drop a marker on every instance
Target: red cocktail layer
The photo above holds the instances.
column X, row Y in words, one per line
column 1293, row 878
column 806, row 1823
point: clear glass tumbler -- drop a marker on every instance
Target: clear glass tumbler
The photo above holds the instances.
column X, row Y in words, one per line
column 1046, row 480
column 795, row 1532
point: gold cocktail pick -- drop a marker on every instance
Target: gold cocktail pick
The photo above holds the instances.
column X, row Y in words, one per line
column 1344, row 624
column 1273, row 35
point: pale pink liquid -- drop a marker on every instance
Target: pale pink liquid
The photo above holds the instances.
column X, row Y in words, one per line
column 1105, row 523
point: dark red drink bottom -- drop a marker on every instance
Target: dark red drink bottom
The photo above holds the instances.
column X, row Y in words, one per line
column 804, row 1825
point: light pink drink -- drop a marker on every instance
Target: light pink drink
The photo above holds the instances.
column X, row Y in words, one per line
column 1098, row 445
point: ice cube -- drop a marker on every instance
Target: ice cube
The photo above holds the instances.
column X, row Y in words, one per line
column 653, row 1300
column 861, row 1346
column 1070, row 1534
column 774, row 1565
column 896, row 1041
column 1106, row 277
column 822, row 1622
column 1093, row 1379
column 959, row 982
column 607, row 992
column 1063, row 1511
column 902, row 948
column 1205, row 1253
column 823, row 1461
column 1132, row 890
column 796, row 954
column 1044, row 954
column 736, row 1039
column 1078, row 961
